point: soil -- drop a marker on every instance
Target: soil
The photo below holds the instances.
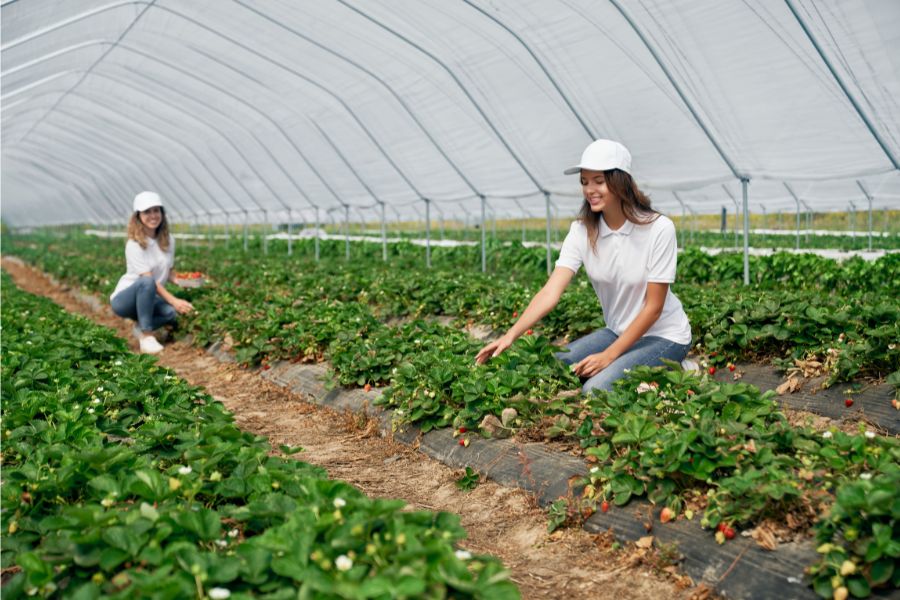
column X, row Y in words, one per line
column 501, row 521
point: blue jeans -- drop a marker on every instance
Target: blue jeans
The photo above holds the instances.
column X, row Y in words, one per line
column 648, row 350
column 141, row 303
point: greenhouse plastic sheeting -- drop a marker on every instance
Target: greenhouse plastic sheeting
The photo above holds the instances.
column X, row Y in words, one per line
column 328, row 109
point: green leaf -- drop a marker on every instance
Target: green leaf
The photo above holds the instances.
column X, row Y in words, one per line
column 882, row 570
column 204, row 523
column 859, row 587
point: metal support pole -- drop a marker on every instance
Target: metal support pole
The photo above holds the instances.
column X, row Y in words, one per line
column 547, row 205
column 744, row 183
column 347, row 232
column 693, row 223
column 290, row 234
column 318, row 229
column 797, row 202
column 683, row 224
column 808, row 220
column 869, row 198
column 246, row 226
column 383, row 234
column 853, row 219
column 265, row 232
column 483, row 234
column 427, row 232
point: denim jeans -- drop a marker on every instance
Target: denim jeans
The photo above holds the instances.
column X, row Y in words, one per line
column 648, row 350
column 141, row 303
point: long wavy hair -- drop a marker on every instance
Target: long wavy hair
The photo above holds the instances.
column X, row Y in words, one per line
column 136, row 230
column 635, row 204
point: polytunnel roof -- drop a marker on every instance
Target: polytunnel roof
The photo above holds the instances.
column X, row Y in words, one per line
column 281, row 107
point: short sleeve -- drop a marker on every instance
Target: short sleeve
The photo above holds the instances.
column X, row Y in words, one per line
column 570, row 255
column 663, row 252
column 171, row 252
column 136, row 258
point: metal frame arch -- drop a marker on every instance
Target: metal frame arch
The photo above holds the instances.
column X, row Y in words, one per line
column 222, row 90
column 374, row 76
column 49, row 173
column 79, row 171
column 224, row 115
column 176, row 142
column 856, row 106
column 90, row 68
column 681, row 94
column 128, row 122
column 296, row 73
column 458, row 83
column 540, row 64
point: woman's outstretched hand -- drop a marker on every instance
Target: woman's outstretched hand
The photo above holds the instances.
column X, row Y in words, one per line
column 493, row 349
column 592, row 364
column 182, row 306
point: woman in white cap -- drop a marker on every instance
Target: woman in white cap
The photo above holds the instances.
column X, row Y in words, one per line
column 149, row 257
column 629, row 253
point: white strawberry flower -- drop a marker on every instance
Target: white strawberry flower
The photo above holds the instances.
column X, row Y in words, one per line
column 463, row 554
column 343, row 563
column 233, row 533
column 184, row 470
column 865, row 476
column 827, row 435
column 218, row 593
column 339, row 503
column 870, row 434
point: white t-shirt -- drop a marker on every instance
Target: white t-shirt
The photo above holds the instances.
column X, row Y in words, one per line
column 624, row 262
column 151, row 260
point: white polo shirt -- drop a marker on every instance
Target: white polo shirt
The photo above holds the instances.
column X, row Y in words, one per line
column 151, row 260
column 624, row 262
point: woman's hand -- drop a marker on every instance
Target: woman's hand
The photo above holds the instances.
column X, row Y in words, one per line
column 493, row 349
column 592, row 364
column 182, row 306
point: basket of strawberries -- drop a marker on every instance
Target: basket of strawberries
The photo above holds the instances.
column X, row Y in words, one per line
column 188, row 279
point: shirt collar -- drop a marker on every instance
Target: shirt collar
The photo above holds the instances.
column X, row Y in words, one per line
column 605, row 230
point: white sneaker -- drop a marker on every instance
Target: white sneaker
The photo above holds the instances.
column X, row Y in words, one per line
column 689, row 365
column 149, row 345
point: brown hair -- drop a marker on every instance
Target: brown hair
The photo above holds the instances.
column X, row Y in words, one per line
column 635, row 204
column 136, row 230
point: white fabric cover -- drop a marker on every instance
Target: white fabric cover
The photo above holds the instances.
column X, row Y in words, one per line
column 267, row 109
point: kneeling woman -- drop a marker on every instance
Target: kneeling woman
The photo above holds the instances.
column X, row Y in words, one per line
column 149, row 257
column 629, row 253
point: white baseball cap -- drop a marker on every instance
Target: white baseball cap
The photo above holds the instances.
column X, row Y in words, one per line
column 603, row 155
column 146, row 200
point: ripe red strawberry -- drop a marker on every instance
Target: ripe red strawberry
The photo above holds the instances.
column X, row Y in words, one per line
column 266, row 367
column 515, row 314
column 462, row 442
column 712, row 370
column 721, row 527
column 367, row 387
column 848, row 402
column 666, row 515
column 529, row 332
column 604, row 506
column 462, row 430
column 731, row 366
column 729, row 533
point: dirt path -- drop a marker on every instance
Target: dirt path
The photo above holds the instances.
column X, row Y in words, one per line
column 501, row 521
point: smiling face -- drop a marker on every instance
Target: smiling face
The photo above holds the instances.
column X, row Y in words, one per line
column 151, row 218
column 596, row 192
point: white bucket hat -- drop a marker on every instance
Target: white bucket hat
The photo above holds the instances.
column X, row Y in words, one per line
column 603, row 155
column 146, row 200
